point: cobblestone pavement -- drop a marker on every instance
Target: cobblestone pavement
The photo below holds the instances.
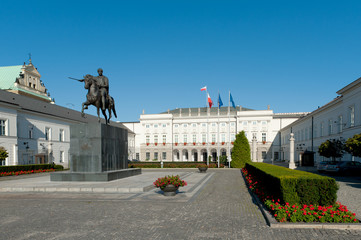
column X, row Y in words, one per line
column 221, row 209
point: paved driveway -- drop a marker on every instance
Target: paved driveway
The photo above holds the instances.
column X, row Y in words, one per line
column 221, row 209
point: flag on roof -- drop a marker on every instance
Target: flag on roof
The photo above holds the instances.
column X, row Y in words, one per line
column 220, row 103
column 210, row 101
column 231, row 100
column 204, row 88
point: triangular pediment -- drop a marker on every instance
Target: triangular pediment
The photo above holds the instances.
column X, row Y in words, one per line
column 32, row 70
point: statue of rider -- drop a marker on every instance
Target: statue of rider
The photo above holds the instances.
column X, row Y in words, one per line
column 103, row 84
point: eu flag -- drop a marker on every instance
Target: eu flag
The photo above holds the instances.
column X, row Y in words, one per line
column 231, row 100
column 220, row 103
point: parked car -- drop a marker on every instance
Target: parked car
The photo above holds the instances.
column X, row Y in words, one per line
column 321, row 167
column 344, row 167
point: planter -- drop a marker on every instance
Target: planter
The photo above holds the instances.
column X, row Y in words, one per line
column 185, row 144
column 213, row 143
column 170, row 190
column 194, row 143
column 147, row 144
column 156, row 144
column 232, row 143
column 264, row 142
column 203, row 143
column 163, row 144
column 176, row 144
column 222, row 143
column 202, row 169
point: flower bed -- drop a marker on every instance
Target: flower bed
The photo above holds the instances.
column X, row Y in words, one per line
column 174, row 180
column 4, row 174
column 289, row 212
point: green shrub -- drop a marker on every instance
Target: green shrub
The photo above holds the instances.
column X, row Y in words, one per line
column 294, row 186
column 241, row 153
column 58, row 167
column 169, row 165
column 29, row 167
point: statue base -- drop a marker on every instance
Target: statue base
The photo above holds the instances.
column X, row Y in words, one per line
column 98, row 152
column 94, row 177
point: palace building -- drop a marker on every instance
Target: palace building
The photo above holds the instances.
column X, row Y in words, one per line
column 195, row 134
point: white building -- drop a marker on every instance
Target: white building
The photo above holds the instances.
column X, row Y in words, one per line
column 338, row 119
column 193, row 134
column 32, row 128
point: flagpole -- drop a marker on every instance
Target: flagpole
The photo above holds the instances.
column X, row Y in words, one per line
column 207, row 125
column 218, row 155
column 229, row 129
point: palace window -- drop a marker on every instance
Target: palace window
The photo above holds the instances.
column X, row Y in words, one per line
column 164, row 155
column 194, row 138
column 340, row 122
column 147, row 155
column 47, row 133
column 147, row 126
column 164, row 138
column 204, row 138
column 213, row 137
column 351, row 111
column 2, row 127
column 61, row 156
column 176, row 138
column 223, row 136
column 155, row 138
column 147, row 139
column 330, row 127
column 155, row 155
column 264, row 137
column 61, row 135
column 185, row 138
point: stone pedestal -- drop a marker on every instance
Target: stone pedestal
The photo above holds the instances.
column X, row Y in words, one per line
column 98, row 152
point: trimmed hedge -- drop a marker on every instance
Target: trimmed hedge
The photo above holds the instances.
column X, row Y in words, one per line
column 294, row 186
column 29, row 167
column 170, row 165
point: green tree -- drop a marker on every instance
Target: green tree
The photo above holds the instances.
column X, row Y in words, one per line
column 332, row 148
column 241, row 151
column 353, row 145
column 3, row 154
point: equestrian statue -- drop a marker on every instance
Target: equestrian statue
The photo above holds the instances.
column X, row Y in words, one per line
column 98, row 95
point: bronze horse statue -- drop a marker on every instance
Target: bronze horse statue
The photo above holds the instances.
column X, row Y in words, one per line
column 94, row 98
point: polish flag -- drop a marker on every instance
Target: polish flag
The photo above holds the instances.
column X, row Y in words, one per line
column 210, row 101
column 204, row 88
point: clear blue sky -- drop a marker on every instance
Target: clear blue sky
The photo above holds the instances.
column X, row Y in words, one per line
column 292, row 55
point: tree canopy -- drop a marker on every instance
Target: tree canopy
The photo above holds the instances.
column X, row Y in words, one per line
column 332, row 148
column 3, row 153
column 353, row 145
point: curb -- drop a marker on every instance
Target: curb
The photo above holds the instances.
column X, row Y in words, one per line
column 272, row 222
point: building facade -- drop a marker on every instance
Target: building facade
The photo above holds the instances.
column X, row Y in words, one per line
column 33, row 129
column 338, row 119
column 198, row 134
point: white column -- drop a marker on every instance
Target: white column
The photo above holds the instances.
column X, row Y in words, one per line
column 15, row 156
column 292, row 152
column 254, row 149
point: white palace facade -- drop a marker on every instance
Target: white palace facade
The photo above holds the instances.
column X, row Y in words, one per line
column 338, row 119
column 193, row 134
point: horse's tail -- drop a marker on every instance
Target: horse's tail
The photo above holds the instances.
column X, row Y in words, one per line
column 113, row 108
